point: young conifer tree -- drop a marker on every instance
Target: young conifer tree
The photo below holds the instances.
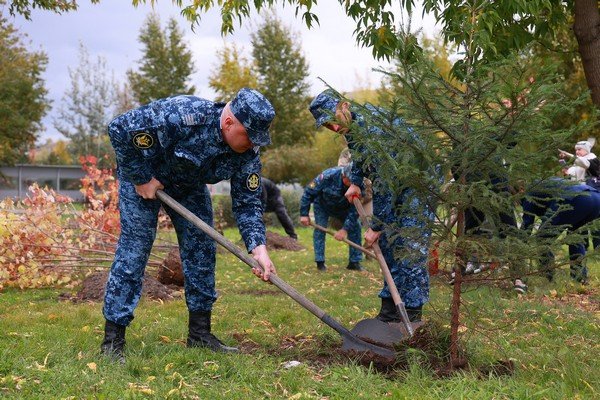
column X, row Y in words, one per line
column 477, row 143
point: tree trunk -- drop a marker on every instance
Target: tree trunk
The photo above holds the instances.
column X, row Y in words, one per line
column 587, row 32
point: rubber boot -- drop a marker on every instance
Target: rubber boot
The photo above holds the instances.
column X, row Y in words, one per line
column 355, row 266
column 113, row 344
column 321, row 266
column 388, row 312
column 414, row 314
column 199, row 334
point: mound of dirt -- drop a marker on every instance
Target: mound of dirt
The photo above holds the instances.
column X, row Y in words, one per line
column 170, row 271
column 277, row 242
column 93, row 286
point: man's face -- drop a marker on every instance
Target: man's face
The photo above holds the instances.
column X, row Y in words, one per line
column 343, row 119
column 235, row 135
column 581, row 152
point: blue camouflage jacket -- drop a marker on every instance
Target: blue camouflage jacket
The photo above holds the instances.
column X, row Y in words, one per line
column 385, row 206
column 328, row 191
column 178, row 141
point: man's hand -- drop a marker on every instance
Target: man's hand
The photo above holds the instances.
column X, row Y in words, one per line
column 305, row 220
column 260, row 254
column 148, row 189
column 371, row 237
column 352, row 192
column 341, row 234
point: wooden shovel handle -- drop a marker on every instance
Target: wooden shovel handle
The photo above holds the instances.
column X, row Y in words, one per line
column 348, row 242
column 385, row 271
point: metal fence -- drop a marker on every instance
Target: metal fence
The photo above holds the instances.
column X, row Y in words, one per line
column 64, row 179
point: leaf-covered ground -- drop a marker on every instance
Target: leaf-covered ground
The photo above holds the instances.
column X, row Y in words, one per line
column 543, row 345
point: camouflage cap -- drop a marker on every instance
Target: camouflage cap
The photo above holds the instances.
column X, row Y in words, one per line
column 323, row 106
column 256, row 113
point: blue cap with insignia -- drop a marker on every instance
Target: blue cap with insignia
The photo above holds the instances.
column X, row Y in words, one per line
column 255, row 112
column 323, row 106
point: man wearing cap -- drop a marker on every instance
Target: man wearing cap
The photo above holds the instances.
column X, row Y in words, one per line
column 410, row 276
column 179, row 144
column 326, row 193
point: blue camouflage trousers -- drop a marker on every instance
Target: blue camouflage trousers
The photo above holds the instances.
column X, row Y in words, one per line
column 354, row 234
column 139, row 219
column 411, row 275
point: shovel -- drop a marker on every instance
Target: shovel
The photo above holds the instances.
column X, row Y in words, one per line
column 351, row 344
column 374, row 330
column 348, row 242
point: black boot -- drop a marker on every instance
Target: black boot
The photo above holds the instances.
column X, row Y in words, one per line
column 388, row 312
column 200, row 336
column 355, row 266
column 113, row 344
column 415, row 314
column 321, row 266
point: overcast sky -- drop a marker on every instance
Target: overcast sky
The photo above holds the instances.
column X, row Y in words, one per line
column 111, row 28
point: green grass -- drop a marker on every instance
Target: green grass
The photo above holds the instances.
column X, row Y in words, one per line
column 50, row 349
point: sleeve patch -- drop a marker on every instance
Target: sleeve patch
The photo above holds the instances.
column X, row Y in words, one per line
column 253, row 182
column 143, row 140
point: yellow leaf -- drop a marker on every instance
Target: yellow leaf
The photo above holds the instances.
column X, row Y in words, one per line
column 85, row 328
column 92, row 366
column 168, row 366
column 80, row 355
column 165, row 339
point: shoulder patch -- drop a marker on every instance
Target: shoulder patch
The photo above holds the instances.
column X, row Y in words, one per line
column 143, row 140
column 253, row 182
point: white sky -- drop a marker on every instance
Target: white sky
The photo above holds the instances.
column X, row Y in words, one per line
column 111, row 28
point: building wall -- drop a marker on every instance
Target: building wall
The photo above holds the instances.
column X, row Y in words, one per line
column 64, row 179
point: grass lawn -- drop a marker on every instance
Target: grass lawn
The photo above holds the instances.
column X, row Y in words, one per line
column 50, row 349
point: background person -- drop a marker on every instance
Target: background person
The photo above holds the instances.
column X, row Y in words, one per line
column 273, row 202
column 326, row 194
column 180, row 144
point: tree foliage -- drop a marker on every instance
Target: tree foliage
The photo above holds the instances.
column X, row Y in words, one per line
column 23, row 100
column 232, row 73
column 282, row 77
column 166, row 66
column 88, row 105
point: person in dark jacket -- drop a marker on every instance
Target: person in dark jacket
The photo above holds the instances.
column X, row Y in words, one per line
column 179, row 144
column 326, row 194
column 273, row 202
column 559, row 204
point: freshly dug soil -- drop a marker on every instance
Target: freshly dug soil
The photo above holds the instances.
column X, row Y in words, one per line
column 93, row 289
column 277, row 242
column 170, row 271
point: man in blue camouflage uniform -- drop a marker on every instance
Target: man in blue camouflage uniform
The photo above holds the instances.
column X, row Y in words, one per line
column 410, row 276
column 326, row 193
column 179, row 144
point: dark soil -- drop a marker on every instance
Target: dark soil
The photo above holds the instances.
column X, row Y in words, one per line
column 170, row 271
column 92, row 289
column 278, row 242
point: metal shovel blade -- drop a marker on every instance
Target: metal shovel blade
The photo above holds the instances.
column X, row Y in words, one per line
column 388, row 334
column 355, row 346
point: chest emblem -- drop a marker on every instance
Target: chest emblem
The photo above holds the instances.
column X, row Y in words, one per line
column 143, row 140
column 253, row 182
